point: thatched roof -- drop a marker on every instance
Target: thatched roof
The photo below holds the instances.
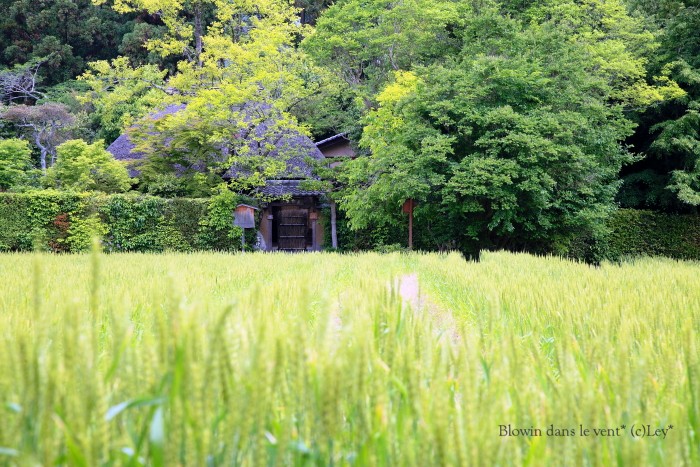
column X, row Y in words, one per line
column 295, row 147
column 287, row 187
column 123, row 149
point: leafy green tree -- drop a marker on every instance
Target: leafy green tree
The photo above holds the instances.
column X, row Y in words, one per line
column 46, row 124
column 514, row 144
column 119, row 94
column 63, row 34
column 669, row 177
column 15, row 161
column 363, row 42
column 205, row 141
column 239, row 88
column 87, row 167
column 618, row 45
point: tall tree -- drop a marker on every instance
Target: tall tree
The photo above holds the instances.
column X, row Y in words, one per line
column 668, row 134
column 516, row 143
column 240, row 88
column 364, row 42
column 46, row 124
column 64, row 34
column 119, row 94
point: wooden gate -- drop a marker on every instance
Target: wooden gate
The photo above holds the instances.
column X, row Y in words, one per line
column 292, row 229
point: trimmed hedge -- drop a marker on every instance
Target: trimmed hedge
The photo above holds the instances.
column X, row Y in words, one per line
column 383, row 238
column 66, row 222
column 633, row 233
column 629, row 233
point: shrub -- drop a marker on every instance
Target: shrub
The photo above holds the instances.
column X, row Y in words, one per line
column 83, row 166
column 82, row 231
column 632, row 233
column 217, row 229
column 65, row 221
column 15, row 162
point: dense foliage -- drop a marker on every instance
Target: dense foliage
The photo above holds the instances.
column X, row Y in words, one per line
column 66, row 222
column 14, row 162
column 87, row 167
column 631, row 233
column 518, row 148
column 668, row 135
column 518, row 125
column 60, row 35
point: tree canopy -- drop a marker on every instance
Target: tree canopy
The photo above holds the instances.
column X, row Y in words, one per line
column 87, row 167
column 669, row 176
column 515, row 142
column 513, row 124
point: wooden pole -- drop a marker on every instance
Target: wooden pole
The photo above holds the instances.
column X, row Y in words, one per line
column 408, row 209
column 410, row 225
column 334, row 231
column 314, row 239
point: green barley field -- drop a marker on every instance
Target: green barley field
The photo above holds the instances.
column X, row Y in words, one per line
column 326, row 359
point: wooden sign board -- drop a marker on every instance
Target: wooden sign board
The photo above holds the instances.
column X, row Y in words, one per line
column 244, row 216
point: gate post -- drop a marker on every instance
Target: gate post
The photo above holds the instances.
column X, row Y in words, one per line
column 313, row 216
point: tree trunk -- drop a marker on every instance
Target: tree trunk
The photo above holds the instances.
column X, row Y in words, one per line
column 198, row 33
column 334, row 232
column 42, row 152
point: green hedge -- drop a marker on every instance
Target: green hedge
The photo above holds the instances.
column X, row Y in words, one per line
column 66, row 222
column 634, row 233
column 384, row 238
column 629, row 233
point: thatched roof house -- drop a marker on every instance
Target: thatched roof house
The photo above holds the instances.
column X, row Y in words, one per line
column 287, row 224
column 290, row 144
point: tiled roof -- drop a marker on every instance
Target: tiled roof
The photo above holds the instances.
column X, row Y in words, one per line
column 332, row 139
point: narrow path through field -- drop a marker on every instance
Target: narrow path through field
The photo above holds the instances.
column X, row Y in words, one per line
column 408, row 287
column 409, row 290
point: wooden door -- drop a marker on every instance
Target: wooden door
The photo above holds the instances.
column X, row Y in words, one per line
column 292, row 227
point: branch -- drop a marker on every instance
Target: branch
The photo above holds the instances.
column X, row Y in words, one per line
column 21, row 83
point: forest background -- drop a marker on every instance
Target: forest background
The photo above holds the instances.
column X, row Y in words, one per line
column 514, row 124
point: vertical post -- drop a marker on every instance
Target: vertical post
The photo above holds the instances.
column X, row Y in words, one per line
column 268, row 246
column 410, row 225
column 408, row 209
column 314, row 237
column 243, row 241
column 334, row 231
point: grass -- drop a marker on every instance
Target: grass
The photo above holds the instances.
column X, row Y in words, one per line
column 260, row 359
